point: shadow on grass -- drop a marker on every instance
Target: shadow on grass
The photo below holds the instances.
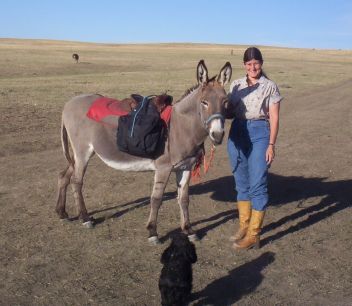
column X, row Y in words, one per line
column 216, row 220
column 283, row 190
column 336, row 195
column 239, row 282
column 127, row 207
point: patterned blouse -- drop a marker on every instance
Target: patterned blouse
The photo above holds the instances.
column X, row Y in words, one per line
column 252, row 102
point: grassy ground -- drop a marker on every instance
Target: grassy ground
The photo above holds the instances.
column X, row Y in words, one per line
column 305, row 258
column 38, row 72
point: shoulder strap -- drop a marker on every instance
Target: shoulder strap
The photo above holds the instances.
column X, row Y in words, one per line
column 140, row 107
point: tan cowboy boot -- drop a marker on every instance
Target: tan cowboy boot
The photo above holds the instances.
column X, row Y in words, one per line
column 252, row 239
column 244, row 215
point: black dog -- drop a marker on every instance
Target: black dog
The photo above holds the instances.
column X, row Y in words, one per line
column 175, row 282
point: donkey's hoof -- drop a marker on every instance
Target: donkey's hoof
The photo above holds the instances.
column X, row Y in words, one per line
column 62, row 215
column 193, row 237
column 88, row 224
column 154, row 240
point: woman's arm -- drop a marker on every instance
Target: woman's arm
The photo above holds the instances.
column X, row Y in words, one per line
column 274, row 110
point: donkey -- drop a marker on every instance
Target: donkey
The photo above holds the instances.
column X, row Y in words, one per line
column 75, row 56
column 196, row 115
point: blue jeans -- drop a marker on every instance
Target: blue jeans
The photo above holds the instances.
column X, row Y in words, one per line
column 246, row 146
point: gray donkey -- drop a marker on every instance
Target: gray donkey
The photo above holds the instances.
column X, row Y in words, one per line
column 196, row 115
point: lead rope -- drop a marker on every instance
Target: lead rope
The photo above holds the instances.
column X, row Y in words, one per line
column 195, row 175
column 207, row 164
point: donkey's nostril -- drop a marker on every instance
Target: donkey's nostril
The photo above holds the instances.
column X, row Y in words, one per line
column 217, row 137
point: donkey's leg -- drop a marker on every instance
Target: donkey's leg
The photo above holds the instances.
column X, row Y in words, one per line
column 81, row 162
column 183, row 178
column 160, row 180
column 63, row 181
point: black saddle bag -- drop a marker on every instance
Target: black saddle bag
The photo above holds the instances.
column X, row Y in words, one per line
column 142, row 131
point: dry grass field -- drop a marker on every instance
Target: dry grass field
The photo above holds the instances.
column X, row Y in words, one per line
column 306, row 254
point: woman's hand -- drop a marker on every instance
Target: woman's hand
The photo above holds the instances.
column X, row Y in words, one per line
column 270, row 154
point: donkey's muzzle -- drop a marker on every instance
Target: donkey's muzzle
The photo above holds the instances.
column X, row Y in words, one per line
column 217, row 137
column 216, row 128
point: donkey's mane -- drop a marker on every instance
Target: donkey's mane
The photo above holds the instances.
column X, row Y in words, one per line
column 193, row 88
column 187, row 92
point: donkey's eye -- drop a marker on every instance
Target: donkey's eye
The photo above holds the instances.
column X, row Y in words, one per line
column 204, row 103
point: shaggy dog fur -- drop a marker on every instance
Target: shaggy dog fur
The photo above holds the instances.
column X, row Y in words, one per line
column 175, row 282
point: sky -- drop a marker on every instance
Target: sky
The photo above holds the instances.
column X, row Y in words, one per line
column 321, row 24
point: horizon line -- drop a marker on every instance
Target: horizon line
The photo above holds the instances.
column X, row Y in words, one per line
column 173, row 43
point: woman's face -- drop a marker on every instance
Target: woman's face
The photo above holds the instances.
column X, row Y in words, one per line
column 253, row 68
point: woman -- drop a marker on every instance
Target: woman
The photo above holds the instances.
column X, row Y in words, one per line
column 254, row 103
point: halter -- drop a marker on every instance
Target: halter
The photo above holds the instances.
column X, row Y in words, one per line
column 212, row 117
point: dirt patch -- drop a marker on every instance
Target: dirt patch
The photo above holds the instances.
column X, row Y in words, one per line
column 305, row 258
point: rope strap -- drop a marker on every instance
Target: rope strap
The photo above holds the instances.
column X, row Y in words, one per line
column 196, row 172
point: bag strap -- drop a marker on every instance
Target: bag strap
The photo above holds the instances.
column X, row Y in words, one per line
column 141, row 105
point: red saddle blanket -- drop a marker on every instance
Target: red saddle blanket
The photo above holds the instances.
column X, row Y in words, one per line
column 105, row 107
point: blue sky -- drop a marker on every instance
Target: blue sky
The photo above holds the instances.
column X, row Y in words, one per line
column 325, row 24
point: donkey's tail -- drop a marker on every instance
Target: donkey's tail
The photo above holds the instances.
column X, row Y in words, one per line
column 64, row 142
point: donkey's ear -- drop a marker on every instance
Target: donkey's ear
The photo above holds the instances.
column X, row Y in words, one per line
column 225, row 74
column 202, row 73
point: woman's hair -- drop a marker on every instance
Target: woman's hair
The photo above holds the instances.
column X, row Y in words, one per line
column 252, row 53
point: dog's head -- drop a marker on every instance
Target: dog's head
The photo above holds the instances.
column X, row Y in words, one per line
column 180, row 249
